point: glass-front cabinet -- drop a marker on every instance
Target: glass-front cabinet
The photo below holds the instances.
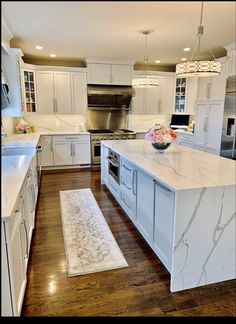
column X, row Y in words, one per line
column 29, row 90
column 180, row 95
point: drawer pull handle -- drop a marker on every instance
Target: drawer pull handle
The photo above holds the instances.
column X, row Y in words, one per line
column 126, row 185
column 124, row 166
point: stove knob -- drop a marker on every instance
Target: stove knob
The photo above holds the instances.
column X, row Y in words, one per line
column 117, row 137
column 124, row 137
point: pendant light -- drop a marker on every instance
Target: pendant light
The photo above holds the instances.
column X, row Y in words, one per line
column 147, row 80
column 198, row 68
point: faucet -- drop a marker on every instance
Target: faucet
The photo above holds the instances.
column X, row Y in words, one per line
column 4, row 134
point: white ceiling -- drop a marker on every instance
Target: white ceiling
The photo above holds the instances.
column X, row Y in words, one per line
column 110, row 30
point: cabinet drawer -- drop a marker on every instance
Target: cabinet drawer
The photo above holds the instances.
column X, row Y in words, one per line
column 114, row 187
column 186, row 138
column 73, row 138
column 13, row 220
column 128, row 203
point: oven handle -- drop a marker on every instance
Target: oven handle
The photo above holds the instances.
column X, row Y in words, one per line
column 115, row 164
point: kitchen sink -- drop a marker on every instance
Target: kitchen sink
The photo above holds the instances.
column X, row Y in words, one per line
column 16, row 151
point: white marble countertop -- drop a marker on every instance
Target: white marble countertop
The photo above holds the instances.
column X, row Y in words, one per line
column 14, row 169
column 31, row 139
column 179, row 167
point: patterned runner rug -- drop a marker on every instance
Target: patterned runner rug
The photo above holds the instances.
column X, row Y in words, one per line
column 89, row 243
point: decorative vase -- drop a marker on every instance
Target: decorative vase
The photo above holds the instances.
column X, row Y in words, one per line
column 160, row 147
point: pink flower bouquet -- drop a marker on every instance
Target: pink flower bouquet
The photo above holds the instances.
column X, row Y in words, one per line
column 160, row 137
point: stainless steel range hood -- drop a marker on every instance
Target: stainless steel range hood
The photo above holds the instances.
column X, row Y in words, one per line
column 102, row 97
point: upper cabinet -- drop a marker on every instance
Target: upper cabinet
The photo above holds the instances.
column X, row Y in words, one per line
column 110, row 73
column 231, row 58
column 213, row 87
column 154, row 100
column 61, row 92
column 13, row 103
column 29, row 88
column 185, row 95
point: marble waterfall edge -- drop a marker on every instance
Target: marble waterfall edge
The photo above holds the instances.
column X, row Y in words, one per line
column 89, row 243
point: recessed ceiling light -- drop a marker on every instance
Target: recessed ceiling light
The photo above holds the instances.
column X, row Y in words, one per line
column 53, row 55
column 38, row 47
column 183, row 59
column 187, row 49
column 157, row 61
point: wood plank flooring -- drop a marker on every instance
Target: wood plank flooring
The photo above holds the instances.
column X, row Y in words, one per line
column 142, row 289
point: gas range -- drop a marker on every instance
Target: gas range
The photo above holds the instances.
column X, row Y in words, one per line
column 107, row 134
column 97, row 135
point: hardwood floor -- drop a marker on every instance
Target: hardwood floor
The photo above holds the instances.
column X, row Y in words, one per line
column 142, row 289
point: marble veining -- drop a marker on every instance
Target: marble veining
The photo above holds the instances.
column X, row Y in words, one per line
column 179, row 167
column 89, row 243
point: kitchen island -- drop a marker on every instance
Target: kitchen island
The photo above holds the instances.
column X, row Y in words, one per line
column 182, row 201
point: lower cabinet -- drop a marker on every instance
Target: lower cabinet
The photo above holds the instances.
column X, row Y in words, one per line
column 104, row 165
column 208, row 127
column 69, row 150
column 128, row 188
column 164, row 199
column 145, row 203
column 15, row 248
column 46, row 155
column 16, row 240
column 184, row 139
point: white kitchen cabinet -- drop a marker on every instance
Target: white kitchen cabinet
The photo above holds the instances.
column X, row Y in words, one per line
column 156, row 100
column 110, row 74
column 29, row 88
column 11, row 67
column 184, row 139
column 146, row 101
column 208, row 125
column 69, row 150
column 213, row 87
column 79, row 92
column 145, row 201
column 163, row 223
column 47, row 150
column 14, row 247
column 53, row 92
column 128, row 188
column 167, row 95
column 231, row 62
column 114, row 187
column 104, row 165
column 185, row 95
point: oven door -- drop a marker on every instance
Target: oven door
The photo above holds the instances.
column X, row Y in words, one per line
column 96, row 152
column 114, row 168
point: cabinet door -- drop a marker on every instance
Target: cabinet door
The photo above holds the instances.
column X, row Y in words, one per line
column 180, row 95
column 214, row 126
column 29, row 89
column 200, row 125
column 47, row 150
column 104, row 165
column 163, row 223
column 45, row 92
column 81, row 152
column 203, row 88
column 218, row 83
column 121, row 74
column 167, row 95
column 138, row 106
column 62, row 87
column 152, row 100
column 99, row 73
column 145, row 201
column 79, row 93
column 16, row 266
column 191, row 97
column 62, row 153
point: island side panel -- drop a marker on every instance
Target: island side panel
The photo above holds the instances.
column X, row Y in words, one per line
column 203, row 237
